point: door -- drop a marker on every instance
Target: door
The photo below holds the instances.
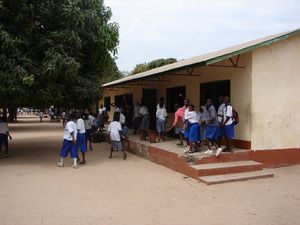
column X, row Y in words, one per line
column 149, row 98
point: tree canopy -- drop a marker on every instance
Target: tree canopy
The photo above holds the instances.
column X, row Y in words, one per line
column 55, row 52
column 139, row 68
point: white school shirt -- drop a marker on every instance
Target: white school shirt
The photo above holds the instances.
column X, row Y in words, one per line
column 221, row 112
column 87, row 124
column 192, row 117
column 3, row 128
column 136, row 111
column 114, row 128
column 92, row 120
column 69, row 129
column 80, row 126
column 101, row 110
column 122, row 118
column 228, row 113
column 186, row 111
column 143, row 110
column 161, row 113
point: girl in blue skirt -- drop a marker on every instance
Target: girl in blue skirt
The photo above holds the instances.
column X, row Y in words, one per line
column 194, row 128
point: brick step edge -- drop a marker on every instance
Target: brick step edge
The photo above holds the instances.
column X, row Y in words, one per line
column 219, row 179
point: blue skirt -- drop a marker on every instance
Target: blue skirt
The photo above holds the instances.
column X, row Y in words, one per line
column 81, row 142
column 227, row 131
column 194, row 133
column 212, row 132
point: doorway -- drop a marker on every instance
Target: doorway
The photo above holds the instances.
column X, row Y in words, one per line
column 214, row 90
column 149, row 98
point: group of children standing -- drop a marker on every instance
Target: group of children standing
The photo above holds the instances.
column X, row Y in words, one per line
column 76, row 134
column 207, row 125
column 79, row 130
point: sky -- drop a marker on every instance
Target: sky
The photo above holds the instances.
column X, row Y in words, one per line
column 152, row 29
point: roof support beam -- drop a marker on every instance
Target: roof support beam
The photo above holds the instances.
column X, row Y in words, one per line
column 234, row 64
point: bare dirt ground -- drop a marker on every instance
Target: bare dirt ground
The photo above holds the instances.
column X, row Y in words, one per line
column 136, row 191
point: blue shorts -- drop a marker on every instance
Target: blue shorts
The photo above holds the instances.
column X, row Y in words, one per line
column 81, row 142
column 227, row 131
column 212, row 132
column 160, row 125
column 194, row 132
column 67, row 147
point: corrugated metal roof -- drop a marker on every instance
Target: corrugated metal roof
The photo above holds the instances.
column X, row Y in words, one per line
column 209, row 58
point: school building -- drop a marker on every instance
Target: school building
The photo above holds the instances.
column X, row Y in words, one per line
column 262, row 78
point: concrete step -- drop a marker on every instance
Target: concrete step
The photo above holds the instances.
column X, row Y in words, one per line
column 219, row 179
column 201, row 157
column 209, row 169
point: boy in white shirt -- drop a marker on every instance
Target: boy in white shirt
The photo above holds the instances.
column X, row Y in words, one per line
column 226, row 129
column 69, row 142
column 114, row 130
column 81, row 139
column 161, row 117
column 4, row 134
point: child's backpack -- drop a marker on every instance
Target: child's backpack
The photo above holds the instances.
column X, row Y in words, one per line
column 235, row 117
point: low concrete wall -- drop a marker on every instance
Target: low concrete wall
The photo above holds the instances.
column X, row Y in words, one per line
column 173, row 161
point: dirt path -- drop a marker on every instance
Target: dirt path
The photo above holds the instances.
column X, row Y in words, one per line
column 135, row 191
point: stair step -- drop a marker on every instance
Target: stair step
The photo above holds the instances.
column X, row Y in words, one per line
column 208, row 169
column 219, row 179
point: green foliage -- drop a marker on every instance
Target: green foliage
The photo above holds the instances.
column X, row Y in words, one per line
column 139, row 68
column 55, row 52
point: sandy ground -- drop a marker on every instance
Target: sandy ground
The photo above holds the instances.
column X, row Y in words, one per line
column 135, row 191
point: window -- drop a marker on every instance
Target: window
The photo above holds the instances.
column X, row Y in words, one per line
column 214, row 91
column 175, row 95
column 107, row 103
column 123, row 99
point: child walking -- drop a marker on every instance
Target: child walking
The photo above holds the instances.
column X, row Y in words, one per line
column 178, row 123
column 81, row 138
column 69, row 142
column 4, row 134
column 114, row 130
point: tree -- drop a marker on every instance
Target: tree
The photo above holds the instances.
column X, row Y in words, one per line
column 55, row 52
column 139, row 68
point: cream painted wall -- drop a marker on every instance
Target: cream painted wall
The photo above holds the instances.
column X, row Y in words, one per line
column 276, row 96
column 240, row 90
